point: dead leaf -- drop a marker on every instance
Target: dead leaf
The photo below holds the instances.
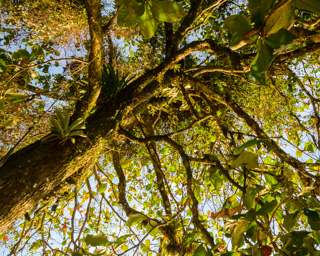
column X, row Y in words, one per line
column 226, row 213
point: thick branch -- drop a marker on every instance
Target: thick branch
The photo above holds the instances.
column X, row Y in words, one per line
column 33, row 172
column 122, row 185
column 228, row 101
column 194, row 11
column 96, row 58
column 167, row 230
column 204, row 70
column 190, row 182
column 170, row 44
column 309, row 49
column 152, row 149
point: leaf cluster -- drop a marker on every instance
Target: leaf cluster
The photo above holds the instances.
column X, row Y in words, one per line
column 62, row 130
column 147, row 14
column 112, row 82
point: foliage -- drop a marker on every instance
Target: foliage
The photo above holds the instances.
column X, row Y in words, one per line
column 13, row 97
column 147, row 14
column 271, row 20
column 64, row 21
column 212, row 149
column 112, row 83
column 62, row 130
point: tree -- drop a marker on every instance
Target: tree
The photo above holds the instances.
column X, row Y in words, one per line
column 194, row 127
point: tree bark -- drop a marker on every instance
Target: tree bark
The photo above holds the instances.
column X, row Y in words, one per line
column 32, row 173
column 96, row 58
column 35, row 171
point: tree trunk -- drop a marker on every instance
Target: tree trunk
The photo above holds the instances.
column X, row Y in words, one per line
column 38, row 170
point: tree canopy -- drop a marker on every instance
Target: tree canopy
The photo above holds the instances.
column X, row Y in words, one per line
column 160, row 127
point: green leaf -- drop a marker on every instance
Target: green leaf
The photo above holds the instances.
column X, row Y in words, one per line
column 238, row 231
column 154, row 231
column 313, row 202
column 282, row 37
column 56, row 128
column 238, row 25
column 249, row 196
column 1, row 104
column 135, row 218
column 297, row 237
column 2, row 65
column 297, row 141
column 267, row 208
column 279, row 214
column 136, row 9
column 96, row 240
column 112, row 82
column 247, row 144
column 144, row 248
column 313, row 219
column 312, row 6
column 232, row 254
column 251, row 232
column 77, row 133
column 50, row 137
column 167, row 11
column 309, row 146
column 299, row 153
column 24, row 54
column 246, row 158
column 99, row 251
column 122, row 239
column 268, row 160
column 270, row 180
column 102, row 188
column 307, row 191
column 125, row 247
column 209, row 253
column 262, row 61
column 164, row 150
column 282, row 16
column 125, row 18
column 200, row 251
column 77, row 125
column 37, row 50
column 316, row 235
column 216, row 179
column 148, row 187
column 148, row 25
column 309, row 243
column 13, row 97
column 147, row 14
column 2, row 62
column 16, row 55
column 64, row 121
column 258, row 10
column 290, row 220
column 120, row 2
